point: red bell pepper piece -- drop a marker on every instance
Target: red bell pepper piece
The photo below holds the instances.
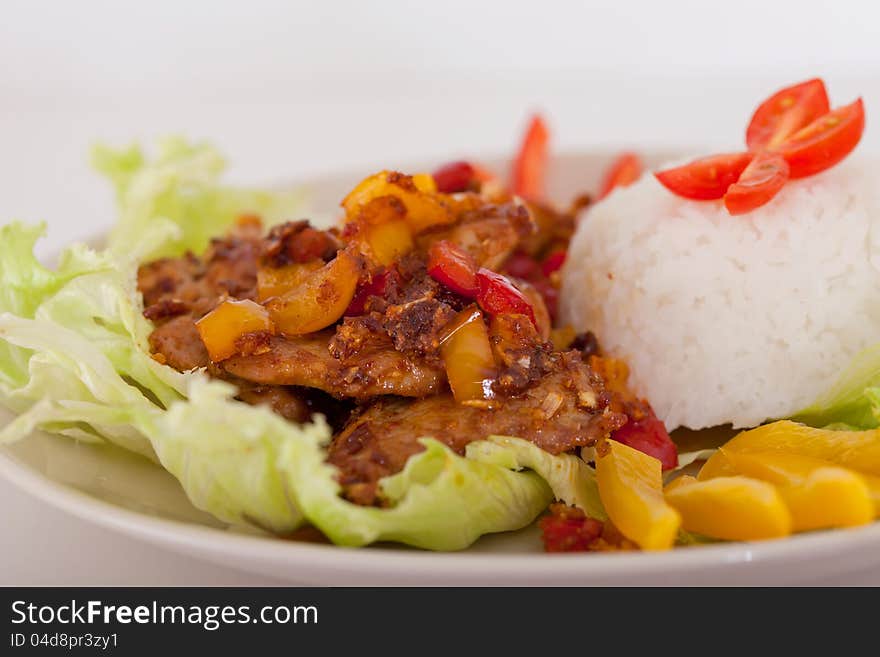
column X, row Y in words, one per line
column 553, row 262
column 530, row 166
column 498, row 296
column 374, row 288
column 452, row 266
column 455, row 177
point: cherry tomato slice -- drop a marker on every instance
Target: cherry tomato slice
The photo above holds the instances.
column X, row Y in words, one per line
column 625, row 170
column 648, row 434
column 825, row 142
column 759, row 183
column 786, row 112
column 530, row 165
column 498, row 296
column 453, row 267
column 454, row 177
column 707, row 178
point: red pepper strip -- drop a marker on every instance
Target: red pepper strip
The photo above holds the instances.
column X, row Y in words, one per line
column 530, row 166
column 454, row 177
column 553, row 262
column 498, row 296
column 569, row 532
column 453, row 267
column 375, row 288
column 521, row 265
column 625, row 170
column 648, row 434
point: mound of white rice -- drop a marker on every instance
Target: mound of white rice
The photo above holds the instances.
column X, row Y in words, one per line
column 731, row 319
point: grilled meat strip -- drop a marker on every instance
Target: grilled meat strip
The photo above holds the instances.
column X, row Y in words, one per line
column 567, row 408
column 375, row 369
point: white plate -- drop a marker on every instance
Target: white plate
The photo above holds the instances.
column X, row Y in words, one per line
column 129, row 494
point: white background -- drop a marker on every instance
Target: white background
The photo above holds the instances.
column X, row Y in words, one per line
column 287, row 89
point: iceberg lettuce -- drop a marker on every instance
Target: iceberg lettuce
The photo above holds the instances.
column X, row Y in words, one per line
column 181, row 185
column 847, row 404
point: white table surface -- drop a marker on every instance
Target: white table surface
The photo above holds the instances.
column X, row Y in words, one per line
column 272, row 131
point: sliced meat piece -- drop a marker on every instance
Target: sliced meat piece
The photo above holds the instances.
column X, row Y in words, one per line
column 188, row 284
column 553, row 226
column 281, row 399
column 161, row 279
column 489, row 233
column 179, row 344
column 231, row 268
column 297, row 241
column 539, row 306
column 567, row 408
column 521, row 354
column 300, row 361
column 415, row 327
column 307, row 361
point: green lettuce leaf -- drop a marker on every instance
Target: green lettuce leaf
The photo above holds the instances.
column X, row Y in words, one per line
column 181, row 185
column 847, row 404
column 570, row 478
column 441, row 501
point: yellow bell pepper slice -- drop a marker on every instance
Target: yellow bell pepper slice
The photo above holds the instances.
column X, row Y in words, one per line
column 320, row 300
column 389, row 241
column 818, row 493
column 682, row 480
column 718, row 465
column 275, row 281
column 467, row 356
column 731, row 508
column 424, row 208
column 223, row 327
column 873, row 484
column 631, row 489
column 858, row 450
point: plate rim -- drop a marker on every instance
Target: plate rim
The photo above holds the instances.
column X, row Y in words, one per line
column 176, row 534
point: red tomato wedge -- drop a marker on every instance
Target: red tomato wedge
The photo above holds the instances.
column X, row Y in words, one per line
column 707, row 178
column 759, row 183
column 454, row 177
column 530, row 165
column 786, row 112
column 648, row 434
column 498, row 296
column 453, row 267
column 825, row 142
column 625, row 170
